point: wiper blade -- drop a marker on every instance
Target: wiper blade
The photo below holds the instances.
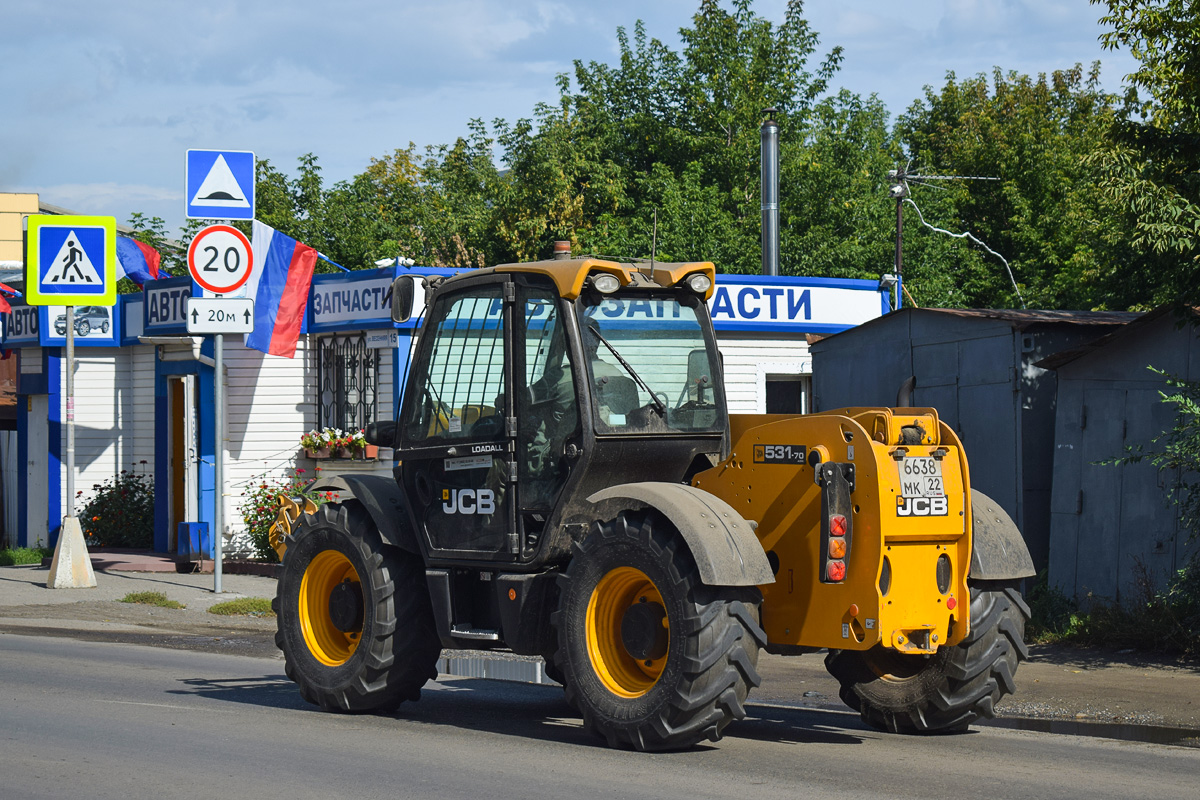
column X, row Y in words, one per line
column 658, row 404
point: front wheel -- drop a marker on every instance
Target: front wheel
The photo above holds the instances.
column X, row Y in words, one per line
column 952, row 688
column 354, row 618
column 651, row 657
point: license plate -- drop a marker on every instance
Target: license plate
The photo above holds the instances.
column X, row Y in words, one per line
column 921, row 476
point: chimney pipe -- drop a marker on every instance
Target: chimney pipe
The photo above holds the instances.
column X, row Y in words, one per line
column 770, row 193
column 562, row 250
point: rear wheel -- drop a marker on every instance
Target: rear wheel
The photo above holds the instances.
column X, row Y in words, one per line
column 950, row 689
column 354, row 619
column 651, row 657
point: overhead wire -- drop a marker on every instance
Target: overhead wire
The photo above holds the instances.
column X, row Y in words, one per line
column 973, row 238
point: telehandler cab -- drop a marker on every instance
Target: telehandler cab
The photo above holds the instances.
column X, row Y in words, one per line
column 570, row 485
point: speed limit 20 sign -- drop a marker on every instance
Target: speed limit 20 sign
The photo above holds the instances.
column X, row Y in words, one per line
column 220, row 259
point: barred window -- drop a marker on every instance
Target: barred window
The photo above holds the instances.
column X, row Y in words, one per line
column 347, row 382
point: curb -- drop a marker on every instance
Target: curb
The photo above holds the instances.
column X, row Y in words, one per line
column 259, row 568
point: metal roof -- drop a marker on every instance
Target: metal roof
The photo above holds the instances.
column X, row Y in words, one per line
column 1019, row 319
column 1131, row 328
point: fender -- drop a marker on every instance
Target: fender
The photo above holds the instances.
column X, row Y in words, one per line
column 721, row 541
column 384, row 501
column 998, row 550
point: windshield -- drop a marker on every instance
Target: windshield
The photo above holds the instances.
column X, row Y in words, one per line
column 650, row 367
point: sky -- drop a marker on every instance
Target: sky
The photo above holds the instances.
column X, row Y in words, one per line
column 99, row 102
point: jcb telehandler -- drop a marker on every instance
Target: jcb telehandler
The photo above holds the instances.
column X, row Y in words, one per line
column 570, row 485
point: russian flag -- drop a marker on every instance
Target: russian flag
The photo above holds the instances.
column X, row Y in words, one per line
column 5, row 308
column 279, row 283
column 136, row 261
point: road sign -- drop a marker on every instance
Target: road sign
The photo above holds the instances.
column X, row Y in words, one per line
column 220, row 259
column 220, row 184
column 220, row 315
column 71, row 261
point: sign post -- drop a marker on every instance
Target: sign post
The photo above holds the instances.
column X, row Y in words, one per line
column 72, row 260
column 220, row 259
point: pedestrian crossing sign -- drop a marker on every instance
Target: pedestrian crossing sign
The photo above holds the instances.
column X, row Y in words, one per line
column 71, row 261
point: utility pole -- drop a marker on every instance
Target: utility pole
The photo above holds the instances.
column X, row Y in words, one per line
column 898, row 190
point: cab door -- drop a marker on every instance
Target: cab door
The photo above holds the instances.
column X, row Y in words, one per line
column 457, row 444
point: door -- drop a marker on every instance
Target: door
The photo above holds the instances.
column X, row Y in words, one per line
column 456, row 441
column 37, row 454
column 183, row 454
column 547, row 409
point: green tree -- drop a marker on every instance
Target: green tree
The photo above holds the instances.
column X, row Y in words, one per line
column 1150, row 168
column 153, row 231
column 342, row 222
column 663, row 133
column 1044, row 212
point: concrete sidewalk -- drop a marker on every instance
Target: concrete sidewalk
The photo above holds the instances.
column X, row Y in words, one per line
column 121, row 572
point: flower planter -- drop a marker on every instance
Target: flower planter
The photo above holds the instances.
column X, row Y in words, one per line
column 344, row 452
column 317, row 453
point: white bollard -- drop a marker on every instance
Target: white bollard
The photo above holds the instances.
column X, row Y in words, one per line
column 71, row 567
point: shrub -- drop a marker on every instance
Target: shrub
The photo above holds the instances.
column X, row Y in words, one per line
column 261, row 505
column 121, row 512
column 1167, row 620
column 1052, row 613
column 15, row 556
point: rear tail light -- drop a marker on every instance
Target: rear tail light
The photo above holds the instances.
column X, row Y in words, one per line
column 837, row 521
column 837, row 548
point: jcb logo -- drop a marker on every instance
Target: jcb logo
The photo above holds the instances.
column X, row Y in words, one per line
column 922, row 506
column 468, row 501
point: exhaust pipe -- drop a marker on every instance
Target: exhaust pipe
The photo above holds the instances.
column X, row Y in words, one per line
column 770, row 193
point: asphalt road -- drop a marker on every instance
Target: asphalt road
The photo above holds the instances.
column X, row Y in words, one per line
column 99, row 720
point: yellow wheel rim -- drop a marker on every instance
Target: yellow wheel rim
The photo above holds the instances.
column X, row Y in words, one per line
column 331, row 646
column 621, row 673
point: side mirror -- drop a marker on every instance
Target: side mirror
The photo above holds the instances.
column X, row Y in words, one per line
column 403, row 289
column 699, row 373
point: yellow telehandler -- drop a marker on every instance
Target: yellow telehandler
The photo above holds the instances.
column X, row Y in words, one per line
column 570, row 485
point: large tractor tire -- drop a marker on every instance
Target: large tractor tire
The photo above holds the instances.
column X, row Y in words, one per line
column 354, row 618
column 949, row 690
column 652, row 658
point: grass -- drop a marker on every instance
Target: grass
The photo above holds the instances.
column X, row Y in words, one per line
column 16, row 556
column 151, row 599
column 244, row 607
